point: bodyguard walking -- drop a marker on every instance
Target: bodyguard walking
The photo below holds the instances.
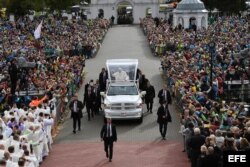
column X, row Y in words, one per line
column 149, row 97
column 98, row 98
column 103, row 76
column 76, row 107
column 163, row 119
column 89, row 101
column 108, row 135
column 164, row 96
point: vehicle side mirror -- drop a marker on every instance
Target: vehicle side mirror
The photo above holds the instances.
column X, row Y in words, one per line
column 102, row 94
column 143, row 93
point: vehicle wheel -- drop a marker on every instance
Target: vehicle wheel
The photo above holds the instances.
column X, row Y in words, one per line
column 140, row 120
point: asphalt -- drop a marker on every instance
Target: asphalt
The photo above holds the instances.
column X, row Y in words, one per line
column 121, row 42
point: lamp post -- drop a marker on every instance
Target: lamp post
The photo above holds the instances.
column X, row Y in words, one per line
column 211, row 51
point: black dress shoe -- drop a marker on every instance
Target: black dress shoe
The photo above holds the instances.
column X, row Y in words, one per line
column 110, row 160
column 74, row 131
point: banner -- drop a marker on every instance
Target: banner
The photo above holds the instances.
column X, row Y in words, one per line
column 37, row 33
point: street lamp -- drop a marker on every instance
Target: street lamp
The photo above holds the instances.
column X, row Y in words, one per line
column 212, row 47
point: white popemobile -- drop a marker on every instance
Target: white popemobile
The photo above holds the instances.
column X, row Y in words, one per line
column 122, row 100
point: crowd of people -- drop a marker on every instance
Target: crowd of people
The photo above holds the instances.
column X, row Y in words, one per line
column 46, row 70
column 209, row 124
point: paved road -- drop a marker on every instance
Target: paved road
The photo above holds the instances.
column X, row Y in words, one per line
column 121, row 42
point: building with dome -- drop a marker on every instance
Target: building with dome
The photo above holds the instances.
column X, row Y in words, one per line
column 135, row 8
column 190, row 14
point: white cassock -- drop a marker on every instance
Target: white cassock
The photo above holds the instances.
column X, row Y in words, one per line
column 11, row 164
column 32, row 161
column 2, row 154
column 38, row 111
column 15, row 157
column 44, row 142
column 35, row 142
column 7, row 132
column 48, row 123
column 16, row 145
column 52, row 103
column 21, row 112
column 6, row 143
column 121, row 76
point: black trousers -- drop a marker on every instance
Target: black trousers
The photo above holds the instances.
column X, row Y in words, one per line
column 194, row 157
column 108, row 147
column 90, row 111
column 149, row 105
column 76, row 119
column 13, row 87
column 163, row 128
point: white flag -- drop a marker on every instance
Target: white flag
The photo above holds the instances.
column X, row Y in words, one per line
column 37, row 33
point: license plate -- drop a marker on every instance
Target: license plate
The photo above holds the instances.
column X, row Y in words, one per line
column 123, row 114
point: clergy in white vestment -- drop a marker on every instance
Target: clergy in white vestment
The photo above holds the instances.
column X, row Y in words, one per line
column 120, row 75
column 2, row 151
column 4, row 142
column 31, row 159
column 34, row 139
column 16, row 143
column 48, row 122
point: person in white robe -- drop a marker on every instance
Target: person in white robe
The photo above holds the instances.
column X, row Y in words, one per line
column 48, row 122
column 120, row 75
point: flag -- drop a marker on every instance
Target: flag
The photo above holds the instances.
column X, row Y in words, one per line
column 37, row 33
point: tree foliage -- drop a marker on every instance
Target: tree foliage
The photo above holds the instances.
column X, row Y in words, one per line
column 19, row 7
column 22, row 7
column 229, row 6
column 60, row 4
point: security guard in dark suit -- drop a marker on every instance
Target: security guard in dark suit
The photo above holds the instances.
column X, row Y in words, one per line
column 108, row 135
column 164, row 117
column 164, row 96
column 76, row 107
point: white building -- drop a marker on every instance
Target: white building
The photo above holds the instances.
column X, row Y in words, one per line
column 109, row 8
column 190, row 12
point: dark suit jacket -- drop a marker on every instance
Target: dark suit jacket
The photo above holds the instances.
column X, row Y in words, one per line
column 89, row 99
column 79, row 108
column 102, row 80
column 161, row 97
column 104, row 131
column 196, row 142
column 143, row 83
column 150, row 94
column 161, row 113
column 98, row 98
column 86, row 87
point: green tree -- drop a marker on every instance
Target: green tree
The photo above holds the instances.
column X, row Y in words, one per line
column 60, row 4
column 22, row 7
column 226, row 6
column 18, row 7
column 210, row 4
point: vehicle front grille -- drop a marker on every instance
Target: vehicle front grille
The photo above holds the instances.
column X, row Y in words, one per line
column 123, row 106
column 116, row 107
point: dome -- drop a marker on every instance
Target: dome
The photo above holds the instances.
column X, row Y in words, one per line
column 190, row 5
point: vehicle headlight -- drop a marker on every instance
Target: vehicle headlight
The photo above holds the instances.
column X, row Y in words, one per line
column 139, row 105
column 107, row 106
